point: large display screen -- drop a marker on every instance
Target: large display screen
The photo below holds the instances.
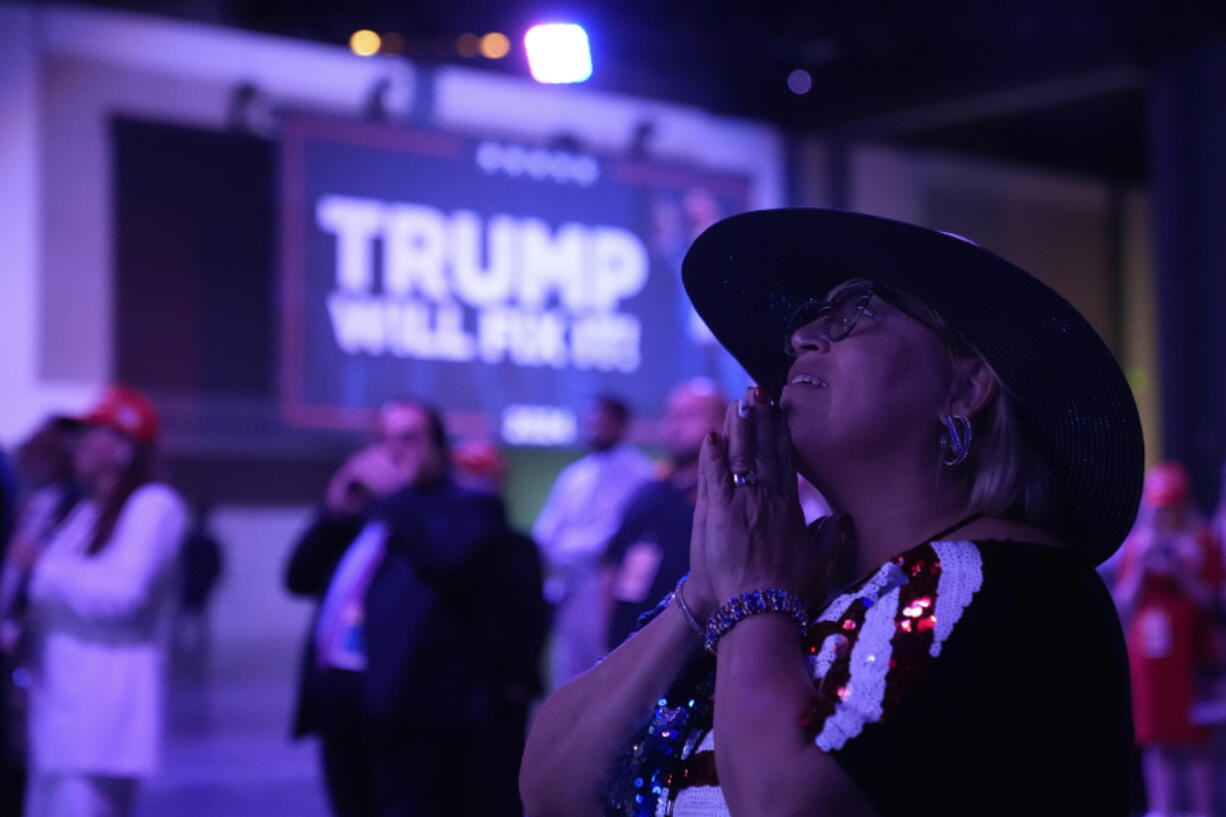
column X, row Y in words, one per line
column 507, row 283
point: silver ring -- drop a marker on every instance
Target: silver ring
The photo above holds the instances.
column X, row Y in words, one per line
column 744, row 478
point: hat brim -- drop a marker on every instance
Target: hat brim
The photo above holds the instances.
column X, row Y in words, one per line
column 748, row 274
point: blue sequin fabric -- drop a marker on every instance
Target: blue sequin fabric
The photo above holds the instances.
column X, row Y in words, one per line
column 642, row 772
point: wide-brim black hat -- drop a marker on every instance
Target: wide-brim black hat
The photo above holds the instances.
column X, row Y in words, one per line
column 748, row 274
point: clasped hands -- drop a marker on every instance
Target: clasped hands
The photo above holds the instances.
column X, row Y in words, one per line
column 749, row 531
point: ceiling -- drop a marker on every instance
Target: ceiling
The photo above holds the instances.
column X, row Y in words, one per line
column 1048, row 83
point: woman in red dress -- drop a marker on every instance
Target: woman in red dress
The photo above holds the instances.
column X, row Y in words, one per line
column 1168, row 585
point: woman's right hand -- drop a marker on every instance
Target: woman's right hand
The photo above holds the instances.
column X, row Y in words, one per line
column 753, row 536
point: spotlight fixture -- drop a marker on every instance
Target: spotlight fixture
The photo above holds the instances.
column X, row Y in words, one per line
column 558, row 53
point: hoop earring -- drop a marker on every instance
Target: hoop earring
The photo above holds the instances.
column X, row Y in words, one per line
column 956, row 443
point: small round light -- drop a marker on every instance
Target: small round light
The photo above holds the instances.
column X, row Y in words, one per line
column 466, row 45
column 495, row 45
column 364, row 43
column 799, row 81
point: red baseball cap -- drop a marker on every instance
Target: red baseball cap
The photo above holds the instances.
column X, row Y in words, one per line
column 480, row 458
column 127, row 411
column 1166, row 484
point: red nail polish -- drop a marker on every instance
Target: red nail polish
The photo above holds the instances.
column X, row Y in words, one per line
column 760, row 396
column 712, row 437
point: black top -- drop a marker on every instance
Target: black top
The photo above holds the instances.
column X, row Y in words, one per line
column 1026, row 709
column 1003, row 690
column 434, row 651
column 649, row 553
column 200, row 560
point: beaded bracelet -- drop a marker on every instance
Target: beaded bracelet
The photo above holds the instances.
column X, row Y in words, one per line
column 767, row 600
column 679, row 597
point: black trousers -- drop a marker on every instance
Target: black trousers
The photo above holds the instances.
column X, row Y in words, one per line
column 12, row 790
column 418, row 770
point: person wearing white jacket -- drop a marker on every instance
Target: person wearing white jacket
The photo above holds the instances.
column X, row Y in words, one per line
column 101, row 596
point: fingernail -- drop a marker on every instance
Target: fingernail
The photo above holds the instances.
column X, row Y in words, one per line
column 712, row 437
column 760, row 396
column 742, row 408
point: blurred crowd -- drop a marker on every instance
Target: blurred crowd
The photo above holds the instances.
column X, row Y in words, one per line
column 437, row 624
column 1167, row 581
column 91, row 593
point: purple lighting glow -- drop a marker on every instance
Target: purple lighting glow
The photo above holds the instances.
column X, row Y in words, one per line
column 800, row 82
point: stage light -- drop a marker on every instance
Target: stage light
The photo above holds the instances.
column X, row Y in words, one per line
column 364, row 43
column 466, row 45
column 495, row 45
column 558, row 52
column 800, row 82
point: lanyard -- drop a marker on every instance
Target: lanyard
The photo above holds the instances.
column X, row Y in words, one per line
column 934, row 538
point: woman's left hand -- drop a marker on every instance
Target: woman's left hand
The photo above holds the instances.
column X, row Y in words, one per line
column 754, row 534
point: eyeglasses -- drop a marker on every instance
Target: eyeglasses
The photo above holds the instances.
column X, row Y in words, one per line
column 841, row 314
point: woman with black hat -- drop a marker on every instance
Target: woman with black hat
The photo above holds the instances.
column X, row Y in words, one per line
column 941, row 644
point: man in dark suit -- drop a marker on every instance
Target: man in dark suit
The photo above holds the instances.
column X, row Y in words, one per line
column 516, row 629
column 394, row 679
column 651, row 549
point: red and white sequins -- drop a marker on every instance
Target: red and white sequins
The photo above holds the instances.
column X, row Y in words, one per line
column 877, row 639
column 864, row 651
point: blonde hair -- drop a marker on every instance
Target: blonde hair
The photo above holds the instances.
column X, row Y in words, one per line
column 1003, row 476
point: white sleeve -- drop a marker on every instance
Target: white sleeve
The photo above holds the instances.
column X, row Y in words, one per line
column 121, row 579
column 545, row 530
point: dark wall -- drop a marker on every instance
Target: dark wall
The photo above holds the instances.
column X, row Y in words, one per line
column 1188, row 126
column 196, row 312
column 194, row 259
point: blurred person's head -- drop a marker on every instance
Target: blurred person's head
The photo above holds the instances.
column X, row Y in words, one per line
column 695, row 408
column 116, row 433
column 479, row 464
column 1167, row 492
column 114, row 456
column 701, row 210
column 414, row 435
column 102, row 454
column 605, row 422
column 46, row 456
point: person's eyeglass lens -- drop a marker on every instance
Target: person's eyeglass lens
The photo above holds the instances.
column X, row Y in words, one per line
column 841, row 314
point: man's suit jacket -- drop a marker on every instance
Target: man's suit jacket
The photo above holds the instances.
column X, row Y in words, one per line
column 425, row 610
